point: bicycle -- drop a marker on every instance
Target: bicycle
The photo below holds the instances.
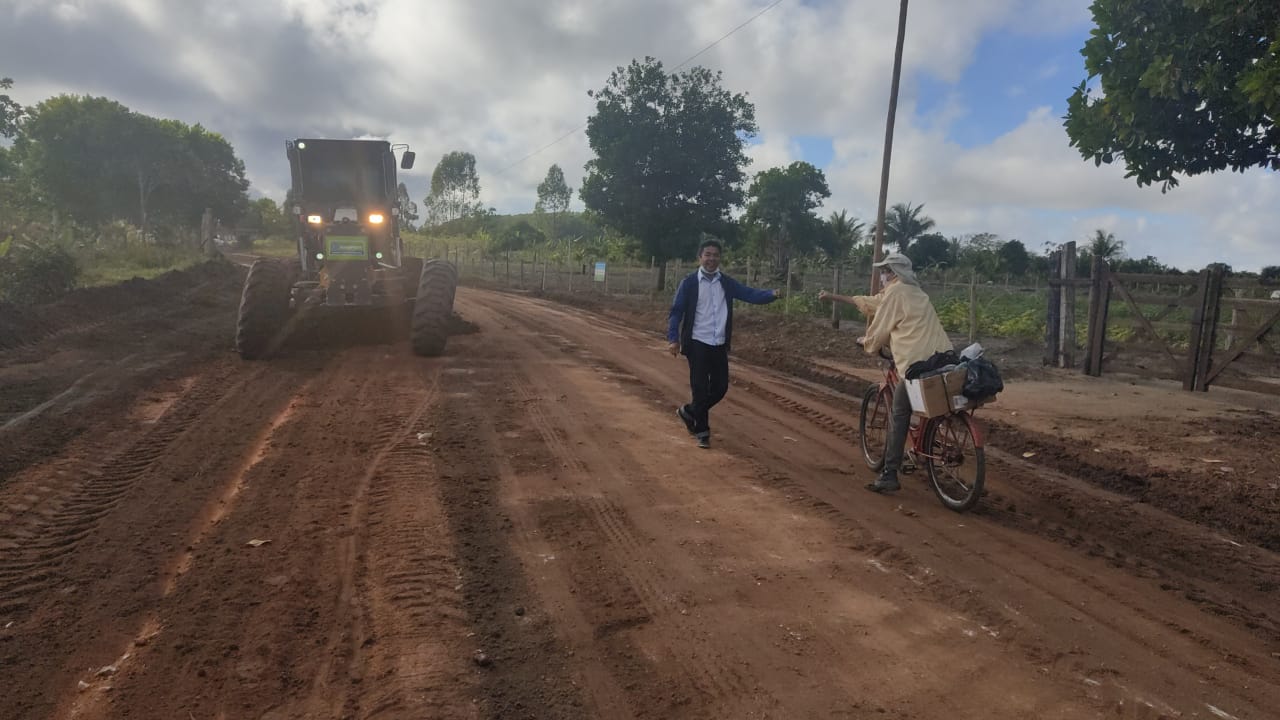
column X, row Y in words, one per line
column 949, row 446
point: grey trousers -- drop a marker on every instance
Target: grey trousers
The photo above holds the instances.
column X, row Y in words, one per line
column 899, row 423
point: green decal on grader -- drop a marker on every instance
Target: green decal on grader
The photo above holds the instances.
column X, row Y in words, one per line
column 348, row 247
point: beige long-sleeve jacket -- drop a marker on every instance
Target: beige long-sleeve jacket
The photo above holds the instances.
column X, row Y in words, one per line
column 903, row 318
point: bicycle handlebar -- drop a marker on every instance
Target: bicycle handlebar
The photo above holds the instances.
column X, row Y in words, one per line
column 883, row 352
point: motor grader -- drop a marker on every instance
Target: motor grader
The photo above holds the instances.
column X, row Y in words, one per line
column 350, row 260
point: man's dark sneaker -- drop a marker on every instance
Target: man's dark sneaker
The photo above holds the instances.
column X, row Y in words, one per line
column 704, row 442
column 686, row 418
column 885, row 484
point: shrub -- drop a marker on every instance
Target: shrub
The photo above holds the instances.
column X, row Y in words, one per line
column 954, row 314
column 32, row 273
column 1029, row 324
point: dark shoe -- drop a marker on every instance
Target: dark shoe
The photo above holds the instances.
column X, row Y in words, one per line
column 884, row 485
column 704, row 442
column 686, row 418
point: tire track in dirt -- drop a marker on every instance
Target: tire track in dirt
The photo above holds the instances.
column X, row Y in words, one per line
column 1258, row 621
column 824, row 421
column 1080, row 514
column 632, row 487
column 641, row 594
column 523, row 669
column 997, row 503
column 345, row 650
column 107, row 344
column 1064, row 590
column 713, row 673
column 40, row 529
column 166, row 466
column 298, row 624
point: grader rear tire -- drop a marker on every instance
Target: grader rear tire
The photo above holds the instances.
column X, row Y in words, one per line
column 433, row 308
column 264, row 307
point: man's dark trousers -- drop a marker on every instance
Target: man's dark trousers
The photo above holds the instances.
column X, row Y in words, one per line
column 709, row 380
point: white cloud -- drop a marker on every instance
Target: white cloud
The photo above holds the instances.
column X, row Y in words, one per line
column 501, row 78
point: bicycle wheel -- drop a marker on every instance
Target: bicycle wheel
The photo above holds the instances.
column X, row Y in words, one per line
column 873, row 426
column 955, row 460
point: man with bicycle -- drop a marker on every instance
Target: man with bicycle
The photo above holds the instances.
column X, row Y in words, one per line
column 902, row 318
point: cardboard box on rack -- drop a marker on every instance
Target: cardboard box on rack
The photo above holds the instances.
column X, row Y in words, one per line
column 937, row 394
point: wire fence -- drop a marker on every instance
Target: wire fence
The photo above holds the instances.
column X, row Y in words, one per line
column 1009, row 307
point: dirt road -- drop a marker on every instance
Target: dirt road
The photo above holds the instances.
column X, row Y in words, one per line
column 522, row 529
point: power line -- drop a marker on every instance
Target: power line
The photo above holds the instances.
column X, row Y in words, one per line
column 686, row 61
column 722, row 37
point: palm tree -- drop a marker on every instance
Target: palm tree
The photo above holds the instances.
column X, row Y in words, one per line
column 1106, row 246
column 846, row 232
column 904, row 223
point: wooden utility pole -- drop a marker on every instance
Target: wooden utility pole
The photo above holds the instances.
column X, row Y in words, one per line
column 878, row 253
column 835, row 306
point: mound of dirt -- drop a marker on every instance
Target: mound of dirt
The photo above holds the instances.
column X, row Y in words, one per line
column 22, row 325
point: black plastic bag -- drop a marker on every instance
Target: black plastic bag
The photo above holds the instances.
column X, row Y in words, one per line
column 982, row 380
column 924, row 368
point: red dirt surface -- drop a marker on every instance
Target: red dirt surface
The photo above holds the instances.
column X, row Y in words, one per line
column 523, row 529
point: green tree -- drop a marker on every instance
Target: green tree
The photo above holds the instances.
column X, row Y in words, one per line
column 553, row 198
column 903, row 224
column 847, row 232
column 782, row 201
column 455, row 189
column 1270, row 273
column 1014, row 258
column 268, row 218
column 211, row 176
column 17, row 204
column 979, row 253
column 408, row 208
column 669, row 156
column 1148, row 265
column 517, row 236
column 1188, row 86
column 10, row 111
column 97, row 161
column 930, row 250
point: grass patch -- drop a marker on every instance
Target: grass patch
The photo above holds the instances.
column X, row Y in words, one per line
column 108, row 266
column 280, row 247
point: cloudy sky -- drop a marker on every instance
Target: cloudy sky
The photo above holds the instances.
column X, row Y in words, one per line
column 979, row 136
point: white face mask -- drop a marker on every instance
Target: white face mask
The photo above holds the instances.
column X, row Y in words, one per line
column 885, row 277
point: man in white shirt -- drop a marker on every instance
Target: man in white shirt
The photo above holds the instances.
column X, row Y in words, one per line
column 701, row 326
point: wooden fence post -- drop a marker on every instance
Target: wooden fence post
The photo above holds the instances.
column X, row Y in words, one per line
column 1067, row 346
column 973, row 308
column 1237, row 316
column 835, row 306
column 1195, row 334
column 1053, row 316
column 1099, row 301
column 1209, row 328
column 786, row 284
